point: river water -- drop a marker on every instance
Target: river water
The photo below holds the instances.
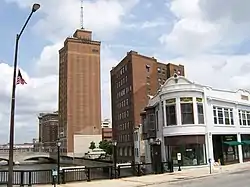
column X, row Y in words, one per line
column 35, row 166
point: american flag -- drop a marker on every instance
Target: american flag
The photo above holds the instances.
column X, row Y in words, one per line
column 20, row 79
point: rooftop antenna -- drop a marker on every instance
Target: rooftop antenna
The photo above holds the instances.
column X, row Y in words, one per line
column 81, row 14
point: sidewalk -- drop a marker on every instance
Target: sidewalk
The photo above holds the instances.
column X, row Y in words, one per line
column 160, row 178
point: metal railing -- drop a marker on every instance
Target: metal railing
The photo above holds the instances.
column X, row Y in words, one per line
column 28, row 177
column 66, row 175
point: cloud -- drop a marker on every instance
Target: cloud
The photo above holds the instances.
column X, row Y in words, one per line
column 104, row 17
column 207, row 26
column 205, row 38
column 36, row 96
column 47, row 63
column 152, row 24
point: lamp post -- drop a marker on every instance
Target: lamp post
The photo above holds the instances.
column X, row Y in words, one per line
column 13, row 96
column 58, row 161
column 114, row 143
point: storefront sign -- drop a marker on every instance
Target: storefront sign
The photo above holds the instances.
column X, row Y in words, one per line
column 228, row 138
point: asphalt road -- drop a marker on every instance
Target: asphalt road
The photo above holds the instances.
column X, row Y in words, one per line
column 235, row 179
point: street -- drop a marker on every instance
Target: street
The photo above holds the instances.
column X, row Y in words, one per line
column 239, row 178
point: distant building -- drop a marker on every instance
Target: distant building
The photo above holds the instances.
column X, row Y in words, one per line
column 48, row 130
column 106, row 123
column 107, row 134
column 18, row 148
column 133, row 81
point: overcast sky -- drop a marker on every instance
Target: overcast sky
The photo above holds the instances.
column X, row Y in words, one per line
column 209, row 37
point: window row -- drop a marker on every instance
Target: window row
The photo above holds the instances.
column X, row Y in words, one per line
column 225, row 116
column 123, row 115
column 124, row 138
column 122, row 81
column 122, row 70
column 161, row 80
column 187, row 112
column 123, row 92
column 124, row 126
column 123, row 103
column 125, row 151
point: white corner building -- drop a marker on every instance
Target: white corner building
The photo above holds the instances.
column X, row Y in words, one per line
column 197, row 121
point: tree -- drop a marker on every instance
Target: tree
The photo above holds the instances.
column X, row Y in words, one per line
column 106, row 146
column 92, row 145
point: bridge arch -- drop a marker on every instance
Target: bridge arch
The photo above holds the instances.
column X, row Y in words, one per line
column 4, row 159
column 40, row 157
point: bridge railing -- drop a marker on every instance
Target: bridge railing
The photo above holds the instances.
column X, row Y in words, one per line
column 81, row 173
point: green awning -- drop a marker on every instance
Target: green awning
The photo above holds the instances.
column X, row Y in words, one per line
column 247, row 142
column 233, row 143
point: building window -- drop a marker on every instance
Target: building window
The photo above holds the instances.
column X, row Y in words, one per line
column 130, row 151
column 162, row 109
column 200, row 111
column 187, row 114
column 136, row 152
column 223, row 115
column 244, row 117
column 136, row 136
column 125, row 151
column 156, row 120
column 171, row 112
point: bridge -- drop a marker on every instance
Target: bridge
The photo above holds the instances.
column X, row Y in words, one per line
column 24, row 156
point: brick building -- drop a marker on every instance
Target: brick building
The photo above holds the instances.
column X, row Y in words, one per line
column 107, row 134
column 79, row 92
column 133, row 80
column 48, row 130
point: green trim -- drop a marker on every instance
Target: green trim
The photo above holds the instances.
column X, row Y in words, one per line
column 246, row 142
column 233, row 143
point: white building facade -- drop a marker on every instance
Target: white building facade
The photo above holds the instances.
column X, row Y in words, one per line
column 139, row 145
column 199, row 122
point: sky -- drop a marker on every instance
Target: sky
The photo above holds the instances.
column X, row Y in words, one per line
column 209, row 37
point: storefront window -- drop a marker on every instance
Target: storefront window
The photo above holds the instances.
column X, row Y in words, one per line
column 246, row 151
column 245, row 139
column 192, row 154
column 230, row 153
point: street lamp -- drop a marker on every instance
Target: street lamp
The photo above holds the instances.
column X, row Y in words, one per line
column 58, row 161
column 114, row 143
column 13, row 99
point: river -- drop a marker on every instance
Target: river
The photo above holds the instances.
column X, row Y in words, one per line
column 35, row 166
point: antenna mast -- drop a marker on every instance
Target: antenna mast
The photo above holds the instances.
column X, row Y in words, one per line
column 81, row 14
